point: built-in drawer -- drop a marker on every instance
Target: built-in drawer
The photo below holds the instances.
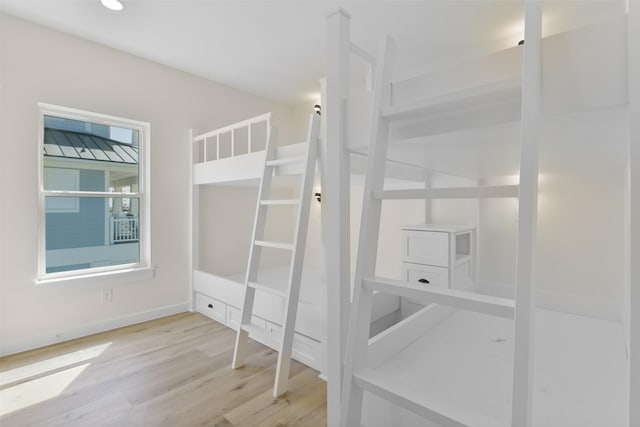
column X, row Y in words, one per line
column 427, row 275
column 305, row 349
column 233, row 321
column 426, row 247
column 211, row 307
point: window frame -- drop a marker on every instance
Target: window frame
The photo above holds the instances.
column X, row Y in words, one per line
column 143, row 195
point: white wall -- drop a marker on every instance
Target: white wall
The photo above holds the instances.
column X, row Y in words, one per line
column 580, row 245
column 41, row 65
column 226, row 225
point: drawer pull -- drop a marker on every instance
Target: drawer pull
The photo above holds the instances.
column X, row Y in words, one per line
column 423, row 281
column 210, row 306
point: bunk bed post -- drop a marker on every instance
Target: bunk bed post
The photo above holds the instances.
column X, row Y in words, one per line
column 335, row 210
column 194, row 211
column 528, row 206
column 632, row 228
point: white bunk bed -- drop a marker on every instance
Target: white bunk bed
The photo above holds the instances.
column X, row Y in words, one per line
column 234, row 156
column 465, row 121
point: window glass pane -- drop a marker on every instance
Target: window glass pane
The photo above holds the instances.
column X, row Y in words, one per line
column 103, row 156
column 100, row 233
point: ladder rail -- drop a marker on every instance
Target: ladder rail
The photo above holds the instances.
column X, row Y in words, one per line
column 295, row 272
column 292, row 293
column 358, row 335
column 527, row 207
column 255, row 251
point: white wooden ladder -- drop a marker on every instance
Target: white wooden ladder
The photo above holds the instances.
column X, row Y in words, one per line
column 291, row 289
column 359, row 376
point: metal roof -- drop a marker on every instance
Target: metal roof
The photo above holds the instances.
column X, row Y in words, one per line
column 78, row 145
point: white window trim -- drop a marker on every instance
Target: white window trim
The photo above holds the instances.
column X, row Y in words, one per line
column 140, row 270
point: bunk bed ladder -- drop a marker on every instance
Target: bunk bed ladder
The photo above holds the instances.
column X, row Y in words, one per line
column 291, row 291
column 359, row 373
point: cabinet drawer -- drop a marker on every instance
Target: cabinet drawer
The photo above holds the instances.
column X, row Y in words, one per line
column 211, row 307
column 426, row 247
column 420, row 274
column 233, row 321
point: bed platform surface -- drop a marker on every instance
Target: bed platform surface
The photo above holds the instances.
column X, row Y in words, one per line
column 464, row 366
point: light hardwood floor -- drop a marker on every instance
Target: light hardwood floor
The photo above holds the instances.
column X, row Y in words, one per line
column 174, row 371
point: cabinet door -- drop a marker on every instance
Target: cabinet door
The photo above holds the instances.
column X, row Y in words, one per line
column 426, row 247
column 426, row 275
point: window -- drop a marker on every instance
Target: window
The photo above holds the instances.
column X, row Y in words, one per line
column 94, row 186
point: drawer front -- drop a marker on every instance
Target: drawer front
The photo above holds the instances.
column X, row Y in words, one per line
column 426, row 275
column 233, row 320
column 305, row 349
column 211, row 307
column 426, row 247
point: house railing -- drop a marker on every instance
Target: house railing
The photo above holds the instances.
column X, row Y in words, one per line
column 124, row 230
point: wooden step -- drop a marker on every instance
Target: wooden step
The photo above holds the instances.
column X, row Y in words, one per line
column 276, row 245
column 285, row 161
column 497, row 191
column 280, row 202
column 271, row 289
column 480, row 97
column 409, row 398
column 469, row 301
column 255, row 332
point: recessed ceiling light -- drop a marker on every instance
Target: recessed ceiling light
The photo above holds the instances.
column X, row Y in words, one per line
column 112, row 4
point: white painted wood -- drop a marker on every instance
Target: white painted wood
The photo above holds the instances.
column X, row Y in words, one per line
column 246, row 167
column 368, row 239
column 275, row 245
column 426, row 275
column 291, row 292
column 285, row 161
column 633, row 213
column 295, row 274
column 386, row 344
column 242, row 336
column 237, row 125
column 468, row 99
column 194, row 223
column 469, row 301
column 335, row 210
column 527, row 209
column 450, row 193
column 446, row 415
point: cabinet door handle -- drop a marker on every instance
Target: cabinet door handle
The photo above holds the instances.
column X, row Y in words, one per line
column 210, row 306
column 423, row 281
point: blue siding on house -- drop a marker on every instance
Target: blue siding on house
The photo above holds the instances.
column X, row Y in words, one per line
column 85, row 228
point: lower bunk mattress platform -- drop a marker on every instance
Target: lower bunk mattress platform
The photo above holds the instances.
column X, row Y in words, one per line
column 463, row 367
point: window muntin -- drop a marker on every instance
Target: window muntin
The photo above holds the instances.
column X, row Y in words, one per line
column 93, row 192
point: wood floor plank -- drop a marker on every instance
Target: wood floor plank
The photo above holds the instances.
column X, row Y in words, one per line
column 174, row 371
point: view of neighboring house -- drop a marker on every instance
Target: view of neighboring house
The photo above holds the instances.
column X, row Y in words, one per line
column 87, row 232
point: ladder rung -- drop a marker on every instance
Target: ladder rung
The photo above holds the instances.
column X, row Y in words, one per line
column 441, row 413
column 285, row 161
column 449, row 193
column 277, row 245
column 255, row 332
column 280, row 202
column 269, row 289
column 469, row 301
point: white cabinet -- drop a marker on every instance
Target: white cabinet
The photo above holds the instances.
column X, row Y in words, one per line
column 437, row 255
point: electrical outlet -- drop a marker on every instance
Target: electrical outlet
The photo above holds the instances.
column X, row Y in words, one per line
column 107, row 296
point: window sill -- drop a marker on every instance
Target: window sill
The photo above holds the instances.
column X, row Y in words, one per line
column 102, row 278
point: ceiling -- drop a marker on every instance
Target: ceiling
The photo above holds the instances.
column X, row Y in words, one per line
column 277, row 49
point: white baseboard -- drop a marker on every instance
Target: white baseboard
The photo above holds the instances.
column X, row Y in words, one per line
column 55, row 337
column 558, row 301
